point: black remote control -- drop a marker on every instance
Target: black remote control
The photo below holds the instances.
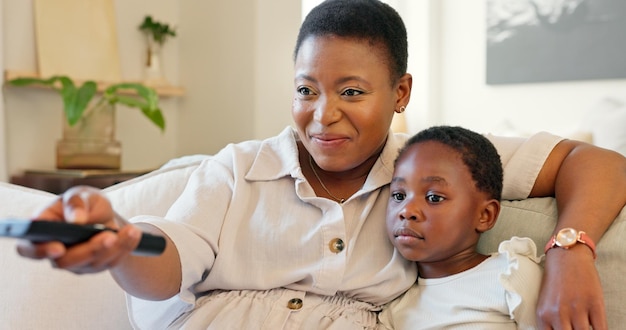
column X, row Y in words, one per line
column 70, row 234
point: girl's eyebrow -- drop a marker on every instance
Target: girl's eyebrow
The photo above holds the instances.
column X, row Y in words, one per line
column 436, row 179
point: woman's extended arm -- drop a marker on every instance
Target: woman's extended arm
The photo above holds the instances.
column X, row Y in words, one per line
column 152, row 278
column 589, row 184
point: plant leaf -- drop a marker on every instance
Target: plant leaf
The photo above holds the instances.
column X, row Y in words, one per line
column 32, row 81
column 156, row 116
column 147, row 101
column 81, row 98
column 69, row 95
column 20, row 82
column 159, row 31
column 76, row 100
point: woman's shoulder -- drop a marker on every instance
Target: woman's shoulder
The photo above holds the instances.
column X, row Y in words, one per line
column 282, row 143
column 260, row 159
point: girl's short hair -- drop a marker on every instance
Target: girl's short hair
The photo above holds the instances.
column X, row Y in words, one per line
column 477, row 152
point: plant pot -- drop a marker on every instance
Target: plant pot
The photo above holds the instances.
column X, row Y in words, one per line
column 154, row 65
column 90, row 143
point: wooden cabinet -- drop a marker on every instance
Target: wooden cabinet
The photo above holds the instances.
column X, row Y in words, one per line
column 58, row 181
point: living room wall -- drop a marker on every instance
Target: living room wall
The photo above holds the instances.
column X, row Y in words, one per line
column 232, row 57
column 234, row 60
column 465, row 99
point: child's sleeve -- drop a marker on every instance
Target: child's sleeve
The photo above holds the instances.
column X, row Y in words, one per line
column 521, row 280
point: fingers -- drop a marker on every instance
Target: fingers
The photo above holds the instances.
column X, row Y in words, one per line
column 101, row 252
column 52, row 211
column 571, row 293
column 84, row 204
column 50, row 250
column 81, row 204
column 598, row 316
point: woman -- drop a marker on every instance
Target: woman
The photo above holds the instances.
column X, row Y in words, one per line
column 289, row 232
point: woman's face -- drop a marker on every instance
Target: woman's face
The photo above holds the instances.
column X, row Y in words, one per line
column 344, row 100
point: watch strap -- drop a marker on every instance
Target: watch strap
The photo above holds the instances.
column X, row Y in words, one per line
column 581, row 237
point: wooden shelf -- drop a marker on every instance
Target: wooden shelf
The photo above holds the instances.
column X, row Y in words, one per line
column 162, row 90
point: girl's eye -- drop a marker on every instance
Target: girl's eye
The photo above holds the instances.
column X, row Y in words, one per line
column 304, row 91
column 432, row 198
column 352, row 92
column 397, row 196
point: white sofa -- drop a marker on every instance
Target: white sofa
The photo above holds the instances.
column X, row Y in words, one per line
column 36, row 296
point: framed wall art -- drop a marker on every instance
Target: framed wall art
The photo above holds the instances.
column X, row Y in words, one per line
column 532, row 41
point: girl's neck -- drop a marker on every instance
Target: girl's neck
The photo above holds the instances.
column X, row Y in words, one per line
column 450, row 266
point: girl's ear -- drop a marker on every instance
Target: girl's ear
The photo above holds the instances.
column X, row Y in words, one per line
column 488, row 215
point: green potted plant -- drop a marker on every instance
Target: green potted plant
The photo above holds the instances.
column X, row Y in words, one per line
column 158, row 31
column 156, row 34
column 89, row 130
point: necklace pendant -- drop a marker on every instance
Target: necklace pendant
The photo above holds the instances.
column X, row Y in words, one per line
column 337, row 199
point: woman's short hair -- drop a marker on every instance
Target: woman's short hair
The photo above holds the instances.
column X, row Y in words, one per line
column 368, row 20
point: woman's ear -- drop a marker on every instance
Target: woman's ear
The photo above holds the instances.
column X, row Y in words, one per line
column 405, row 83
column 488, row 215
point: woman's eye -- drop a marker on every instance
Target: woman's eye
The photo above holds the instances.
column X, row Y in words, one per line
column 432, row 198
column 396, row 196
column 352, row 92
column 304, row 91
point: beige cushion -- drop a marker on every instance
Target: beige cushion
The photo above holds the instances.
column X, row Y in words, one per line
column 153, row 193
column 36, row 296
column 536, row 218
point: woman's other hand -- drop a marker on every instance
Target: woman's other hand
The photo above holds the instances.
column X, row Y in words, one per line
column 571, row 293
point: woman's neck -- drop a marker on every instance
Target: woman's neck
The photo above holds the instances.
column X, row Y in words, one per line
column 335, row 185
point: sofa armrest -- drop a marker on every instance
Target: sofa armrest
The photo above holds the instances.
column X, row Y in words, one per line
column 36, row 296
column 153, row 193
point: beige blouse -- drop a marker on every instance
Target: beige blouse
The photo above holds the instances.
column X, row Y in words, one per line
column 260, row 251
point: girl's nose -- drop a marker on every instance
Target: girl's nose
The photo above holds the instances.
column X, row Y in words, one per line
column 411, row 211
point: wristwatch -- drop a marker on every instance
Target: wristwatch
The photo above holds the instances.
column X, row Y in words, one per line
column 568, row 237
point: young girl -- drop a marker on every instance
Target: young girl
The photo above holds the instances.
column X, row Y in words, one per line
column 444, row 193
column 289, row 232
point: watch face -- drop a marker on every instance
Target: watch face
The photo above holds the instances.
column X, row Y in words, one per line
column 566, row 237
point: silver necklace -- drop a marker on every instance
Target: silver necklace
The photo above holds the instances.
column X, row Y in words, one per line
column 337, row 199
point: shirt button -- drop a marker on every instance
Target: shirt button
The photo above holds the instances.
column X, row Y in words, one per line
column 295, row 303
column 336, row 245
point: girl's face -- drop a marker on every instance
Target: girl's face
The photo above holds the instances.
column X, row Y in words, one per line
column 435, row 212
column 344, row 100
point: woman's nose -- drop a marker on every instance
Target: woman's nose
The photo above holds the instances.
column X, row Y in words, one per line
column 327, row 111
